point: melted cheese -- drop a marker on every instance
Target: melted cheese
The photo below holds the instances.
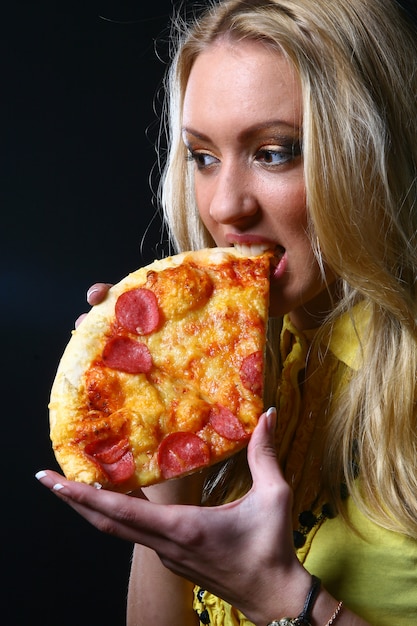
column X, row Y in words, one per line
column 214, row 312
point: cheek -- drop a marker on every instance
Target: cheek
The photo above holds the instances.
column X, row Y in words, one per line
column 289, row 212
column 202, row 199
column 201, row 205
column 295, row 199
column 285, row 196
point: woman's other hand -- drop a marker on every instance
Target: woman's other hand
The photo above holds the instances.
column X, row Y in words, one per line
column 95, row 295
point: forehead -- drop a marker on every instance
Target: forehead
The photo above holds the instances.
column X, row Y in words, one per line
column 243, row 80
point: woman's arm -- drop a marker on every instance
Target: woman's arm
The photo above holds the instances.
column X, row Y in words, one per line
column 155, row 594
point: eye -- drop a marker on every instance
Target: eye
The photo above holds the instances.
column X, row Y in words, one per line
column 202, row 159
column 278, row 155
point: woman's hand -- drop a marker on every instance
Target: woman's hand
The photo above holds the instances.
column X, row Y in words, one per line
column 95, row 295
column 241, row 551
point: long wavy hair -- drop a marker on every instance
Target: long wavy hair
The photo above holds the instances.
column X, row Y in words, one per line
column 357, row 64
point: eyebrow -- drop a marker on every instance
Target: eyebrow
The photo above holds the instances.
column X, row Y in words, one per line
column 294, row 129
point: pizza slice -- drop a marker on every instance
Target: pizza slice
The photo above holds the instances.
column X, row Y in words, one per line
column 165, row 376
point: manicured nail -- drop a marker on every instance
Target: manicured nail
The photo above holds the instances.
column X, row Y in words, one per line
column 58, row 487
column 40, row 474
column 271, row 416
column 91, row 291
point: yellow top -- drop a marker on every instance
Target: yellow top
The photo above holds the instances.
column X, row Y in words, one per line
column 374, row 571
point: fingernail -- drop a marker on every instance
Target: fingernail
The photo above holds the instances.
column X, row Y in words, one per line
column 58, row 487
column 91, row 291
column 40, row 474
column 271, row 416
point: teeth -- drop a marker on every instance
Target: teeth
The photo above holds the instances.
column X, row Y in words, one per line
column 252, row 249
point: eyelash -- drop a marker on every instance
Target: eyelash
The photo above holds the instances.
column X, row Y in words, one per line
column 284, row 153
column 195, row 155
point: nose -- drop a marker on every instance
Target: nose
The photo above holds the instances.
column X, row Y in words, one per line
column 234, row 198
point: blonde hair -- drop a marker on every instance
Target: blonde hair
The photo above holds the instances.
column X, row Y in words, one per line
column 357, row 62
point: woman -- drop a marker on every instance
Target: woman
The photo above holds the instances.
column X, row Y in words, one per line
column 293, row 122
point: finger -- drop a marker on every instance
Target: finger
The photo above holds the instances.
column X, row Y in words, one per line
column 270, row 489
column 97, row 293
column 111, row 512
column 80, row 319
column 133, row 519
column 262, row 456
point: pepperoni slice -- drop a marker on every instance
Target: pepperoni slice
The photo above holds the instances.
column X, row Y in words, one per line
column 227, row 424
column 137, row 310
column 127, row 355
column 114, row 457
column 251, row 372
column 182, row 452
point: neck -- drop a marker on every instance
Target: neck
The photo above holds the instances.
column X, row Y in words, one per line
column 313, row 313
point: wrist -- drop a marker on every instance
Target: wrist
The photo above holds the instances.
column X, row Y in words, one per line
column 304, row 618
column 281, row 596
column 322, row 610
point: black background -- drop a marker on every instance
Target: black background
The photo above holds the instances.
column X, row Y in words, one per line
column 78, row 91
column 79, row 83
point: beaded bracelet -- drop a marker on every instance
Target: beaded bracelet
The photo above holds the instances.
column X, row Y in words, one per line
column 304, row 618
column 335, row 614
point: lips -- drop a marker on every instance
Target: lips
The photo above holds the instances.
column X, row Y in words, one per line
column 278, row 263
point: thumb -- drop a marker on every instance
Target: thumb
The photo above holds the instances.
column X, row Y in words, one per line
column 262, row 457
